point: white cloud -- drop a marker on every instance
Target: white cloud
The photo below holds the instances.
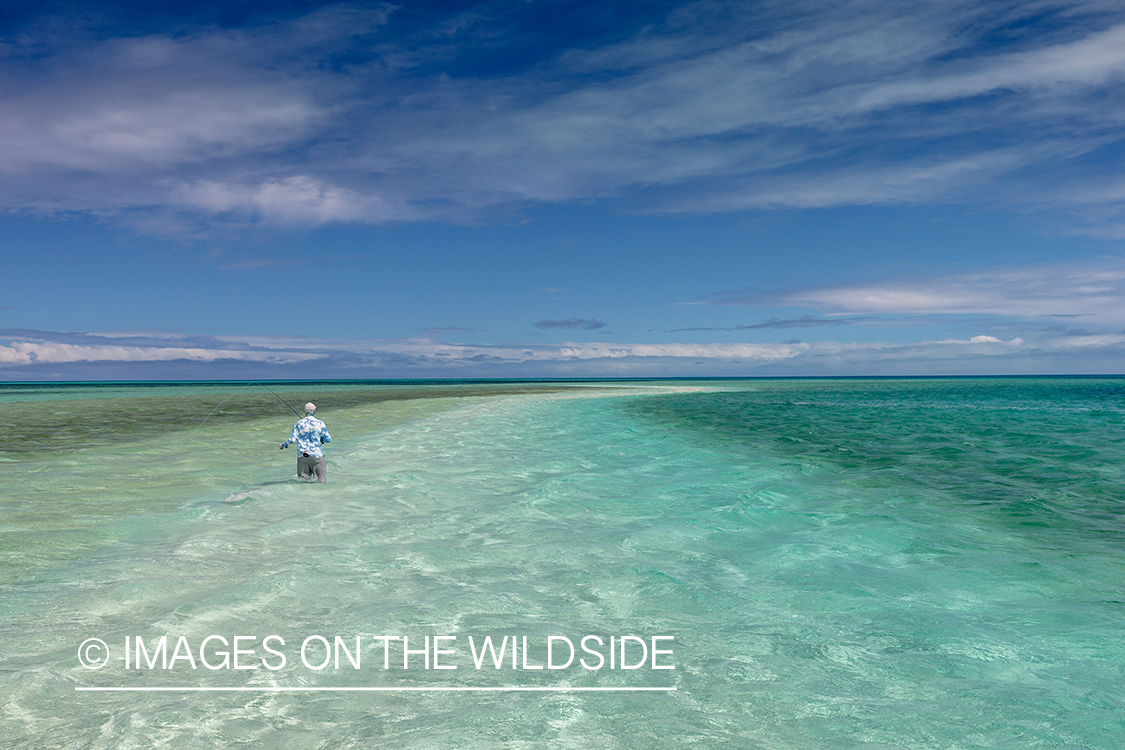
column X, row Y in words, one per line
column 132, row 106
column 296, row 200
column 757, row 353
column 1092, row 295
column 174, row 129
column 716, row 108
column 433, row 349
column 406, row 357
column 48, row 352
column 1092, row 61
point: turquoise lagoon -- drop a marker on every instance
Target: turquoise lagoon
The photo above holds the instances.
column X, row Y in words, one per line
column 900, row 563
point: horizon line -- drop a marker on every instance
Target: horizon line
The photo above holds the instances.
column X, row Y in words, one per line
column 549, row 379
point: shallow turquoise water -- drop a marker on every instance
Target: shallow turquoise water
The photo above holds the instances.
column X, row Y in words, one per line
column 842, row 564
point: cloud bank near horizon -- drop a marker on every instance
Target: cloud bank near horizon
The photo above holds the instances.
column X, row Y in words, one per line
column 1079, row 294
column 45, row 355
column 340, row 116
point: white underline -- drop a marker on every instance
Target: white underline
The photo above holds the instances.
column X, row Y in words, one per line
column 503, row 689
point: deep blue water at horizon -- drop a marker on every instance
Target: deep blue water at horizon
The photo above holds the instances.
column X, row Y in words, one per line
column 861, row 563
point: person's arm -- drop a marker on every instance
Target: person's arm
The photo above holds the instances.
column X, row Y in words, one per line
column 324, row 436
column 292, row 439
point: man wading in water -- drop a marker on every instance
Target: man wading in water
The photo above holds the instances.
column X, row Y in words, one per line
column 309, row 434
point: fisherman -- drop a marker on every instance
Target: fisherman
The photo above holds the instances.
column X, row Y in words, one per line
column 309, row 434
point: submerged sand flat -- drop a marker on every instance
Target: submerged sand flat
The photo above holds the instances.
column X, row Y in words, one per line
column 832, row 563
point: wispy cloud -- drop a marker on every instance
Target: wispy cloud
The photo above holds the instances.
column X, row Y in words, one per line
column 54, row 355
column 293, row 200
column 46, row 352
column 331, row 117
column 803, row 322
column 42, row 347
column 249, row 263
column 447, row 329
column 583, row 324
column 1093, row 294
column 1088, row 62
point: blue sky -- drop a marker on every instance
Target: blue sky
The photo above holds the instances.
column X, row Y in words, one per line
column 549, row 189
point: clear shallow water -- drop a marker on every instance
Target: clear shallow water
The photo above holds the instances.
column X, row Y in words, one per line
column 900, row 564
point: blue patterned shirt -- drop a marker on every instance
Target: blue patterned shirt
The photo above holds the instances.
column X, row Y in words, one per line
column 308, row 434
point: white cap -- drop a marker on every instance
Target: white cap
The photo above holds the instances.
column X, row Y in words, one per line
column 310, row 407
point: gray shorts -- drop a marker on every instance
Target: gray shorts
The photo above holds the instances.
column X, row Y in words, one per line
column 309, row 465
